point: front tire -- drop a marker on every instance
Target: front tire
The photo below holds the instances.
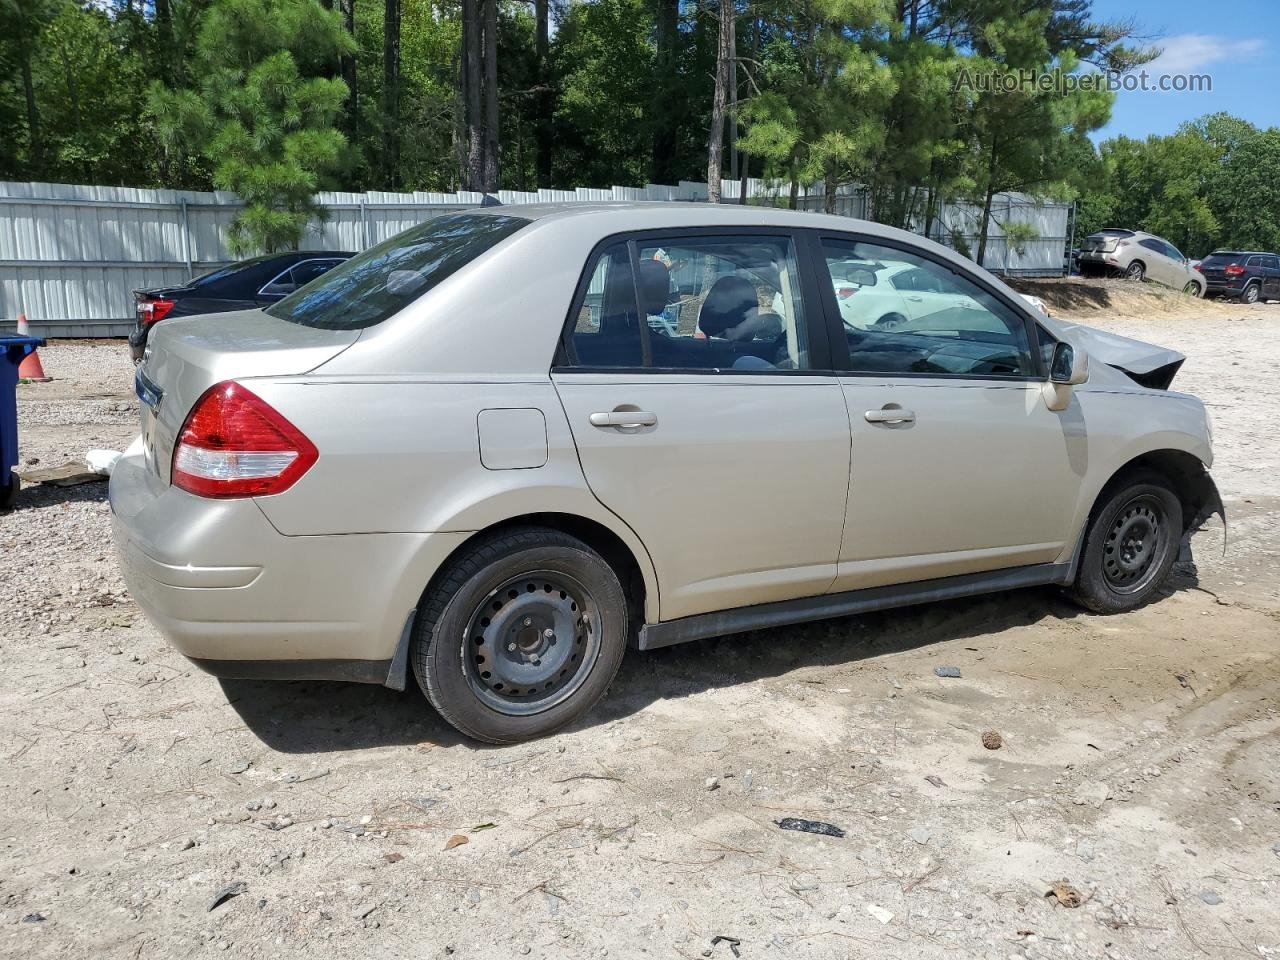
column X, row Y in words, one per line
column 1192, row 289
column 1131, row 545
column 522, row 635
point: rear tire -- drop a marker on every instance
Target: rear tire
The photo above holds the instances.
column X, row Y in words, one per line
column 1136, row 271
column 1250, row 294
column 522, row 635
column 1131, row 545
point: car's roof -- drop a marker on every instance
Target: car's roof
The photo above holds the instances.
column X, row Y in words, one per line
column 709, row 214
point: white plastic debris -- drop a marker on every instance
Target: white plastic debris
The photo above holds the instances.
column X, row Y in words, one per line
column 102, row 461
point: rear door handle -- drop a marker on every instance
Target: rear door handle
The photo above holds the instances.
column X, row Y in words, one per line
column 890, row 415
column 623, row 418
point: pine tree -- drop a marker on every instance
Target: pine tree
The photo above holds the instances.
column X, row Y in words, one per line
column 264, row 113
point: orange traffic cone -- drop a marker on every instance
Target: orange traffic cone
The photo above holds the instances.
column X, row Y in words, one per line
column 30, row 368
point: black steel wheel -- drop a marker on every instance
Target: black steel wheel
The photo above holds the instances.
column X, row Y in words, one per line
column 522, row 633
column 533, row 642
column 1131, row 544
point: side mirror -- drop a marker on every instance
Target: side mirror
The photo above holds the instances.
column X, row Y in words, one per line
column 1067, row 368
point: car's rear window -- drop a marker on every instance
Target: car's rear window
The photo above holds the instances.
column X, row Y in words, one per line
column 1222, row 256
column 373, row 285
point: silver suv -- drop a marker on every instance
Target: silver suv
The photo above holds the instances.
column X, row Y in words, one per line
column 495, row 449
column 1139, row 256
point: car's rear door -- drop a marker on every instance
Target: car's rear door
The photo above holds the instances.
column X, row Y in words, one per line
column 957, row 464
column 713, row 427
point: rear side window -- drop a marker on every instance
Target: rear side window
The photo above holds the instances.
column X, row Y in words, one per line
column 727, row 303
column 373, row 285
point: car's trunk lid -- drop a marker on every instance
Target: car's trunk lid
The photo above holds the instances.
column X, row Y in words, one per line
column 1105, row 242
column 188, row 355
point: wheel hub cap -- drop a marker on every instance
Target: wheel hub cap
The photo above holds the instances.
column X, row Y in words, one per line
column 531, row 643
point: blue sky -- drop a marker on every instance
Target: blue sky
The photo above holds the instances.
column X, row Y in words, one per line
column 1236, row 42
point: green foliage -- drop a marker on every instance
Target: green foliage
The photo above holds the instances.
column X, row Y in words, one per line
column 262, row 117
column 1215, row 183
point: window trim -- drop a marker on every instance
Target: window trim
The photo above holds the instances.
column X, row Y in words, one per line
column 564, row 360
column 839, row 345
column 289, row 269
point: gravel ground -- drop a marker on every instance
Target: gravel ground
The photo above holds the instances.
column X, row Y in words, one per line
column 1139, row 775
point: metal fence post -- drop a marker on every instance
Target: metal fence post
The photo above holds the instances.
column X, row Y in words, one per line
column 364, row 226
column 186, row 239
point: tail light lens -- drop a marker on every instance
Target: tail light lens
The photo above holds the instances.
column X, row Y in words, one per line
column 1234, row 270
column 844, row 293
column 235, row 444
column 153, row 309
column 1198, row 270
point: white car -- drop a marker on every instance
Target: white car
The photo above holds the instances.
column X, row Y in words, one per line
column 894, row 293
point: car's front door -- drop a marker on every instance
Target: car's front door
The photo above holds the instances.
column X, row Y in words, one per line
column 1271, row 277
column 691, row 380
column 958, row 466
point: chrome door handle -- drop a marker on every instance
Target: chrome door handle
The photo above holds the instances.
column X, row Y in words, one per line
column 890, row 415
column 623, row 418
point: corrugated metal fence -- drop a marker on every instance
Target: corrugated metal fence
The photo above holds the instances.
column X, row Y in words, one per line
column 70, row 256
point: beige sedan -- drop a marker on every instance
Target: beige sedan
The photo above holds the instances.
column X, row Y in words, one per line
column 494, row 450
column 1139, row 256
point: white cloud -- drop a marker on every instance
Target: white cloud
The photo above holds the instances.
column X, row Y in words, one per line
column 1187, row 52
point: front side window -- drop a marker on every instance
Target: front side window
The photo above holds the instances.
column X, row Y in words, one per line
column 380, row 282
column 693, row 303
column 921, row 317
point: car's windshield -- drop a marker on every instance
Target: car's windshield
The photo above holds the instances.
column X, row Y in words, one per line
column 372, row 286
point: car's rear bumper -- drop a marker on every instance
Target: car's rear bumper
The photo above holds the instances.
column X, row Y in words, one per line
column 241, row 599
column 1212, row 289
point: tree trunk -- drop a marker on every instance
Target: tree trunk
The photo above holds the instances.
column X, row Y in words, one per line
column 472, row 81
column 793, row 200
column 33, row 116
column 742, row 193
column 715, row 141
column 986, row 205
column 733, row 103
column 73, row 94
column 348, row 69
column 391, row 93
column 665, row 119
column 164, row 33
column 544, row 106
column 490, row 95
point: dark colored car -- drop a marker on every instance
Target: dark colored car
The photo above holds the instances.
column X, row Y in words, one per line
column 1248, row 275
column 252, row 283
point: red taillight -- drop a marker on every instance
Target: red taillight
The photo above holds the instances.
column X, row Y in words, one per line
column 1234, row 270
column 844, row 293
column 235, row 444
column 1198, row 270
column 153, row 309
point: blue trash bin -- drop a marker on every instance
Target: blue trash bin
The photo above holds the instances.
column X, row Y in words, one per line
column 12, row 351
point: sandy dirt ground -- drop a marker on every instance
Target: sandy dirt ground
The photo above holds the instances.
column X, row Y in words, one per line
column 1139, row 776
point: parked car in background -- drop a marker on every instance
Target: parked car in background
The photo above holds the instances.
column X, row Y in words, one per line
column 1249, row 276
column 256, row 282
column 1139, row 256
column 465, row 456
